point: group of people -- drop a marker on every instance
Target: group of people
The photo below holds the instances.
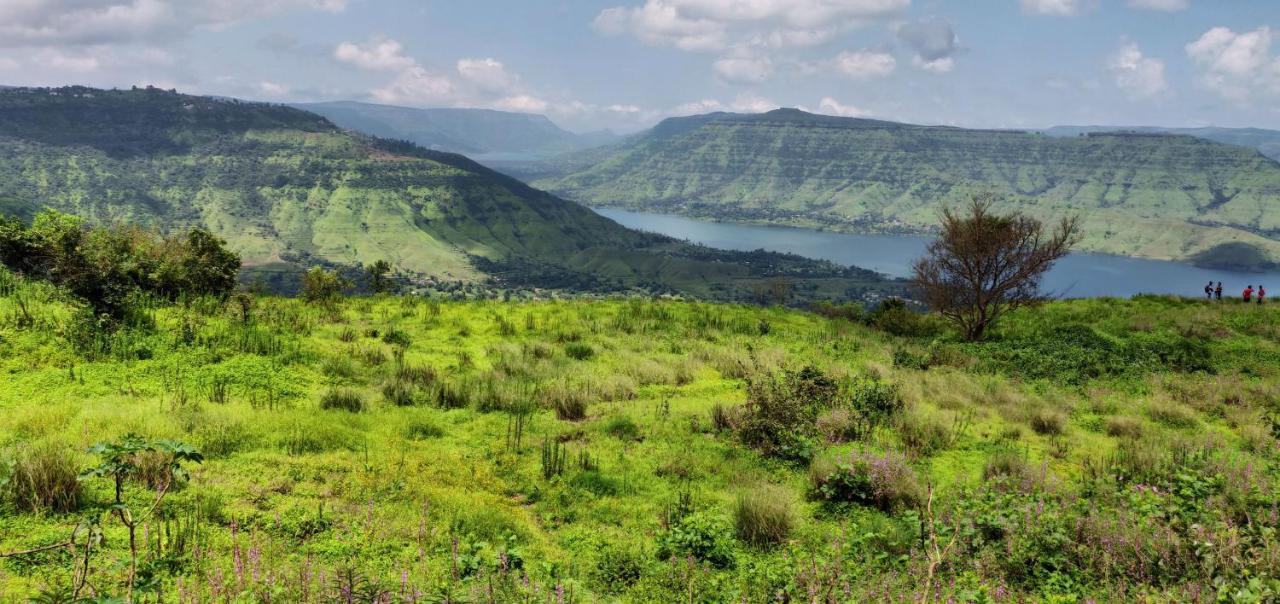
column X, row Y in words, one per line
column 1250, row 294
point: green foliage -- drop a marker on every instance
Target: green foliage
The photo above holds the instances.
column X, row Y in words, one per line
column 42, row 478
column 883, row 481
column 323, row 286
column 701, row 535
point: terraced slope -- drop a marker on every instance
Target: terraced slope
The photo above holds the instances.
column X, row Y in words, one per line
column 1152, row 195
column 289, row 189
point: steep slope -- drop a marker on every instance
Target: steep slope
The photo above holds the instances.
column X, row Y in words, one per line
column 482, row 134
column 1158, row 196
column 1265, row 141
column 289, row 189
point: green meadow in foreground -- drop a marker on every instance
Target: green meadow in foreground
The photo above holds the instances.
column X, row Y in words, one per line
column 398, row 449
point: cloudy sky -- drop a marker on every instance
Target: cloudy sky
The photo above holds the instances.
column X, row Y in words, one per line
column 625, row 64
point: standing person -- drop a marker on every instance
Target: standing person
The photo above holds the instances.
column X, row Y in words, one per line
column 1208, row 291
column 1262, row 293
column 1217, row 291
column 1248, row 294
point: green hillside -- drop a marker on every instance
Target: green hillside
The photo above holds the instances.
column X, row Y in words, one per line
column 1267, row 142
column 287, row 189
column 481, row 134
column 410, row 450
column 1159, row 196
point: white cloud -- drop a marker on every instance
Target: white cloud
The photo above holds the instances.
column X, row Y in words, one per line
column 94, row 22
column 378, row 53
column 1056, row 8
column 865, row 64
column 744, row 103
column 489, row 74
column 943, row 65
column 522, row 103
column 1167, row 6
column 274, row 89
column 1138, row 76
column 830, row 106
column 417, row 86
column 1238, row 66
column 702, row 25
column 743, row 70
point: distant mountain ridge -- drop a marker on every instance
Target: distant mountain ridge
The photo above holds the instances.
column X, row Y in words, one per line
column 1152, row 195
column 481, row 134
column 288, row 189
column 1265, row 141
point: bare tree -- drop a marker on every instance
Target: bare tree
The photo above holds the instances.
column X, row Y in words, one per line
column 985, row 264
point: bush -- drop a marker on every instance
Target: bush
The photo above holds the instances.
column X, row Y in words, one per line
column 883, row 481
column 1123, row 426
column 701, row 536
column 623, row 428
column 342, row 399
column 1006, row 465
column 422, row 430
column 1048, row 422
column 892, row 316
column 923, row 434
column 617, row 567
column 763, row 516
column 45, row 478
column 1171, row 414
column 569, row 402
column 781, row 412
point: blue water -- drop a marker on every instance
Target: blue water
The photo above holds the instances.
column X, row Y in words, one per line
column 1076, row 276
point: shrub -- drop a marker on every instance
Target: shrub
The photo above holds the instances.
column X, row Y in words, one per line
column 699, row 535
column 841, row 425
column 780, row 414
column 1006, row 465
column 1171, row 414
column 579, row 351
column 910, row 360
column 396, row 337
column 617, row 567
column 339, row 367
column 342, row 399
column 1123, row 426
column 883, row 481
column 763, row 516
column 1048, row 422
column 596, row 483
column 45, row 478
column 622, row 428
column 892, row 316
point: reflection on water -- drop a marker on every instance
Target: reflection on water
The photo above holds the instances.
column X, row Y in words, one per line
column 1076, row 276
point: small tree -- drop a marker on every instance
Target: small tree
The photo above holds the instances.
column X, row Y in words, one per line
column 378, row 276
column 323, row 286
column 985, row 264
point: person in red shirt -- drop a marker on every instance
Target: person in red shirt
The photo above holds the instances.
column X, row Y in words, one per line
column 1248, row 294
column 1262, row 293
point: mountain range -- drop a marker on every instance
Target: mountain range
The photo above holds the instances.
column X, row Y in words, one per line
column 1154, row 195
column 289, row 189
column 481, row 134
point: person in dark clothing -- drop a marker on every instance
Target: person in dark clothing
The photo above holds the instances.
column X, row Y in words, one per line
column 1217, row 292
column 1208, row 291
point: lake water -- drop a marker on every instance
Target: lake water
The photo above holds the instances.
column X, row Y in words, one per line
column 1076, row 276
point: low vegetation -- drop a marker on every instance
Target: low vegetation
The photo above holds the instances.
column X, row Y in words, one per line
column 385, row 448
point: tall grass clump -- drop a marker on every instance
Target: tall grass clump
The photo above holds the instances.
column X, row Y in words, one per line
column 763, row 516
column 44, row 478
column 342, row 399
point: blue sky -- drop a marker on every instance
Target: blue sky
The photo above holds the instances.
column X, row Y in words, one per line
column 625, row 64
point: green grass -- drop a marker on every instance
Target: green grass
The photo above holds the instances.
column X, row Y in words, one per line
column 1042, row 466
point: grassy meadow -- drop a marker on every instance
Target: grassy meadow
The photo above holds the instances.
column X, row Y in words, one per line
column 400, row 449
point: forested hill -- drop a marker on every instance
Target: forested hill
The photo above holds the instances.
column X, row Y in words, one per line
column 289, row 189
column 1153, row 195
column 1265, row 141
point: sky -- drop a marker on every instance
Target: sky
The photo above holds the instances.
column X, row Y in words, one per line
column 627, row 64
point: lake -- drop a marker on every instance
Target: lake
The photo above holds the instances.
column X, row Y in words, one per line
column 1076, row 276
